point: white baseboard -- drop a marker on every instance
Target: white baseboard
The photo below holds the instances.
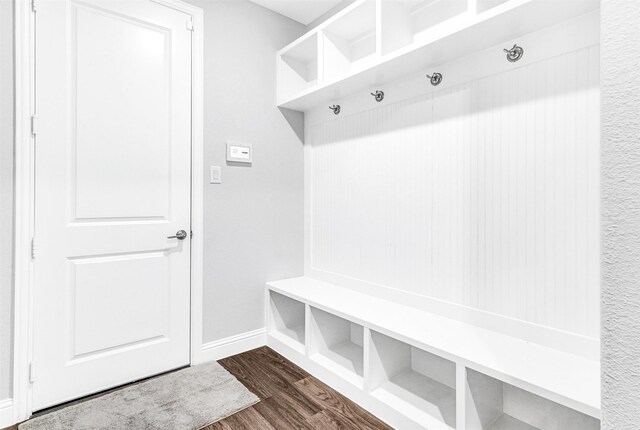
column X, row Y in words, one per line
column 233, row 345
column 7, row 416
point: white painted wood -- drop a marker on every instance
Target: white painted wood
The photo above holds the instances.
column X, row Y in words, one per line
column 219, row 349
column 484, row 400
column 419, row 384
column 298, row 68
column 503, row 214
column 350, row 41
column 443, row 33
column 407, row 22
column 108, row 199
column 6, row 412
column 494, row 405
column 461, row 397
column 334, row 345
column 25, row 170
column 24, row 202
column 345, row 386
column 563, row 378
column 286, row 320
column 485, row 5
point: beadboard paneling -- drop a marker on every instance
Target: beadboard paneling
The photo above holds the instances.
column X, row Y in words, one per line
column 484, row 194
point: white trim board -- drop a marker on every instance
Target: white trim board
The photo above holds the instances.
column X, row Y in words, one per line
column 6, row 413
column 232, row 345
column 24, row 215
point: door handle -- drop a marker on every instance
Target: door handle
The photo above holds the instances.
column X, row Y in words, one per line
column 180, row 235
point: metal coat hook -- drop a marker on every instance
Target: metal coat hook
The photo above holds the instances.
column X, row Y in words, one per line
column 378, row 95
column 435, row 79
column 335, row 109
column 514, row 54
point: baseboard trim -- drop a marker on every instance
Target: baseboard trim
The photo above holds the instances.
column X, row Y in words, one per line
column 7, row 417
column 233, row 345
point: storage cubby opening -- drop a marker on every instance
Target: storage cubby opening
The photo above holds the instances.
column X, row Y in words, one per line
column 485, row 5
column 339, row 342
column 408, row 21
column 350, row 41
column 287, row 316
column 496, row 405
column 299, row 66
column 414, row 381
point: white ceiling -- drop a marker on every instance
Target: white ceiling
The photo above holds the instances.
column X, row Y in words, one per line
column 303, row 11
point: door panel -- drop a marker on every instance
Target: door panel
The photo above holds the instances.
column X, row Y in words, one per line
column 113, row 101
column 124, row 121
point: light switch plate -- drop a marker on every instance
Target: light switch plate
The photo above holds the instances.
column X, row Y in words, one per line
column 239, row 152
column 215, row 175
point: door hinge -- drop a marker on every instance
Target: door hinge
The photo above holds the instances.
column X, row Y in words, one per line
column 190, row 23
column 191, row 234
column 33, row 248
column 33, row 5
column 34, row 125
column 32, row 372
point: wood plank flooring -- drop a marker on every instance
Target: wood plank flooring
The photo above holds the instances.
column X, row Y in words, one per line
column 290, row 398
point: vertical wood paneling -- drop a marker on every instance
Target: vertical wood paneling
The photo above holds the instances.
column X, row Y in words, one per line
column 485, row 194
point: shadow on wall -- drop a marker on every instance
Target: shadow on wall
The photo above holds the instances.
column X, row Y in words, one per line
column 295, row 120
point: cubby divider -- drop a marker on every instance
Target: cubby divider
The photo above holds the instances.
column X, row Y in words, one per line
column 416, row 382
column 337, row 344
column 298, row 67
column 407, row 21
column 496, row 405
column 350, row 42
column 287, row 320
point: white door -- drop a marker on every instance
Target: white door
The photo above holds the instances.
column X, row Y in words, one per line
column 113, row 101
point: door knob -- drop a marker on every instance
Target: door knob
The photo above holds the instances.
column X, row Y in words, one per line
column 180, row 235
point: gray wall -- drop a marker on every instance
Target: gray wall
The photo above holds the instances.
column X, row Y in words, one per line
column 6, row 193
column 254, row 219
column 620, row 214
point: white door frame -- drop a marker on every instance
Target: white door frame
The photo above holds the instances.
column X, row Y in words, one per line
column 24, row 41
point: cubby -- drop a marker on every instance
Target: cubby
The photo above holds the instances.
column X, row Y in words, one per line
column 299, row 66
column 408, row 21
column 287, row 320
column 337, row 344
column 349, row 43
column 496, row 405
column 417, row 383
column 414, row 368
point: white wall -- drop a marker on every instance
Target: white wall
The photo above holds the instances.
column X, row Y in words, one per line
column 254, row 219
column 620, row 215
column 483, row 192
column 6, row 194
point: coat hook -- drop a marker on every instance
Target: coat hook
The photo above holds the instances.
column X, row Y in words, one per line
column 379, row 95
column 335, row 109
column 514, row 54
column 435, row 79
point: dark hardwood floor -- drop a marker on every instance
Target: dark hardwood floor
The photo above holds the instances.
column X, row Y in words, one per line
column 290, row 398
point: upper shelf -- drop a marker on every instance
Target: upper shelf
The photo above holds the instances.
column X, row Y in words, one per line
column 375, row 41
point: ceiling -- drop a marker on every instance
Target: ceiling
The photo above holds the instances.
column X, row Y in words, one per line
column 303, row 11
